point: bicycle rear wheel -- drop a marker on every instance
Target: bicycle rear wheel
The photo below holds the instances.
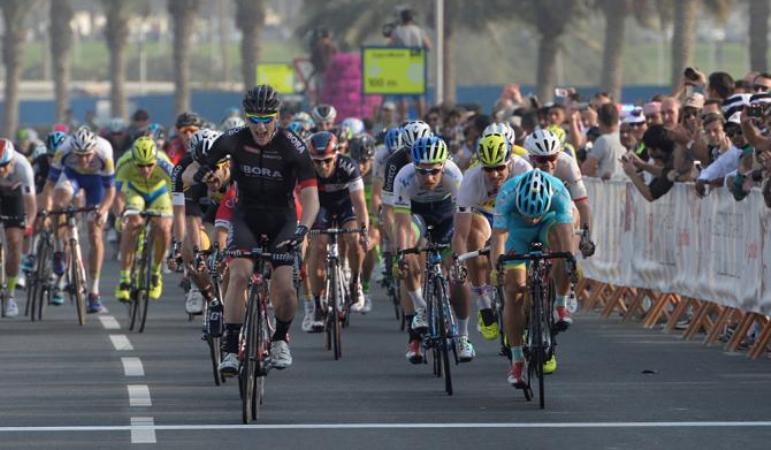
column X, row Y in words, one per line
column 444, row 318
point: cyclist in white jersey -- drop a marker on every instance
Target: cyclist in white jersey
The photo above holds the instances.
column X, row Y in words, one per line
column 474, row 217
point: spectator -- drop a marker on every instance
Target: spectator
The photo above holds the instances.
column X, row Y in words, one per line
column 721, row 86
column 727, row 162
column 387, row 117
column 652, row 111
column 434, row 119
column 556, row 115
column 636, row 128
column 599, row 99
column 589, row 117
column 711, row 105
column 716, row 139
column 761, row 83
column 603, row 160
column 509, row 100
column 661, row 145
column 137, row 128
column 670, row 112
column 409, row 34
column 473, row 130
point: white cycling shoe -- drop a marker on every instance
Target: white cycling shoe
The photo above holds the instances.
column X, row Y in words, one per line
column 280, row 357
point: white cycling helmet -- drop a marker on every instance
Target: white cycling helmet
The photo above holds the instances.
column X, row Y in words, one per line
column 354, row 124
column 324, row 113
column 232, row 122
column 414, row 130
column 201, row 142
column 543, row 143
column 83, row 141
column 501, row 128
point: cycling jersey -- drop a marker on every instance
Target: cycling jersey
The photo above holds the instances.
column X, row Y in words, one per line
column 41, row 166
column 568, row 172
column 394, row 163
column 380, row 161
column 265, row 176
column 20, row 179
column 476, row 194
column 197, row 198
column 409, row 189
column 129, row 174
column 66, row 162
column 521, row 233
column 176, row 150
column 345, row 179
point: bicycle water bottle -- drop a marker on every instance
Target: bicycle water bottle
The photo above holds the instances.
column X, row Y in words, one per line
column 215, row 318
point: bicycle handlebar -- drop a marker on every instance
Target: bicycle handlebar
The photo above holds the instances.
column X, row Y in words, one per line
column 258, row 253
column 69, row 211
column 336, row 231
column 538, row 256
column 476, row 253
column 427, row 249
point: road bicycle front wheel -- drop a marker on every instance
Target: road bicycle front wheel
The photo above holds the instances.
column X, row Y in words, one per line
column 336, row 282
column 444, row 318
column 144, row 293
column 42, row 288
column 249, row 365
column 77, row 281
column 537, row 344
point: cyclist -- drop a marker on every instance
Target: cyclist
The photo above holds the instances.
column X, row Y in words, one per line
column 341, row 204
column 474, row 218
column 194, row 205
column 545, row 153
column 144, row 180
column 18, row 205
column 84, row 161
column 266, row 163
column 425, row 194
column 362, row 151
column 232, row 122
column 324, row 117
column 186, row 126
column 534, row 206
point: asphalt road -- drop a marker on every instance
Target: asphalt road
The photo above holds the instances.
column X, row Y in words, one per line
column 63, row 386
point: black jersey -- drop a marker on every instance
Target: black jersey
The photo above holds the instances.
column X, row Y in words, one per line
column 40, row 167
column 345, row 179
column 395, row 162
column 265, row 176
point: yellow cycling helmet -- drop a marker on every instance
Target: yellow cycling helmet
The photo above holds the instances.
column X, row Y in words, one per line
column 494, row 150
column 144, row 151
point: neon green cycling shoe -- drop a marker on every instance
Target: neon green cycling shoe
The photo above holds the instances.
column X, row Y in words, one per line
column 123, row 291
column 156, row 287
column 550, row 366
column 489, row 332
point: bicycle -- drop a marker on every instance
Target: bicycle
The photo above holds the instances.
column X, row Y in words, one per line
column 212, row 314
column 75, row 272
column 335, row 303
column 141, row 273
column 40, row 278
column 391, row 285
column 540, row 344
column 442, row 326
column 496, row 299
column 256, row 332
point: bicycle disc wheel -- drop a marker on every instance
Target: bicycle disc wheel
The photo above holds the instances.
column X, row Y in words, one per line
column 249, row 365
column 444, row 335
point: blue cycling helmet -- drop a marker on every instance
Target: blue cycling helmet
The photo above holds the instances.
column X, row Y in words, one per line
column 156, row 131
column 393, row 139
column 533, row 194
column 54, row 140
column 429, row 150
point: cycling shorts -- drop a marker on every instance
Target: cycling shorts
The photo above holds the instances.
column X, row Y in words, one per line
column 248, row 226
column 334, row 215
column 521, row 236
column 92, row 185
column 12, row 206
column 439, row 215
column 158, row 200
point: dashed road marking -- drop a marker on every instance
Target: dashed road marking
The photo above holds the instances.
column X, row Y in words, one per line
column 132, row 367
column 109, row 323
column 139, row 395
column 121, row 342
column 142, row 430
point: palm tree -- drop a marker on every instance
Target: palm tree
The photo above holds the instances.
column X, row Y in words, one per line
column 759, row 12
column 183, row 13
column 14, row 12
column 615, row 12
column 250, row 16
column 61, row 47
column 118, row 13
column 684, row 25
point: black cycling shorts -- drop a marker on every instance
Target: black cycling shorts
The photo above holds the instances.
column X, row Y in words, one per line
column 335, row 215
column 248, row 225
column 12, row 206
column 439, row 215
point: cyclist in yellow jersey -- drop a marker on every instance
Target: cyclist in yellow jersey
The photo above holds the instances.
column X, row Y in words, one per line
column 504, row 129
column 144, row 183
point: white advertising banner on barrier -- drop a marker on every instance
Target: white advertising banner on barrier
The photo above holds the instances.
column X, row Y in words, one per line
column 714, row 249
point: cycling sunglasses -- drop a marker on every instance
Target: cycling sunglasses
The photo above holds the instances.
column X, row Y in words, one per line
column 259, row 118
column 324, row 162
column 434, row 171
column 541, row 159
column 186, row 130
column 145, row 166
column 498, row 169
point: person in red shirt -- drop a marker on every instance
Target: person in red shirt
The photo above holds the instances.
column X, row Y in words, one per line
column 187, row 124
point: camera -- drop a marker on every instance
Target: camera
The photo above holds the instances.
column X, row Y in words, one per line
column 560, row 92
column 388, row 29
column 691, row 74
column 756, row 110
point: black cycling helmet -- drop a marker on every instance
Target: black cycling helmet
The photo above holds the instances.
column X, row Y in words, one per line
column 261, row 99
column 362, row 147
column 188, row 119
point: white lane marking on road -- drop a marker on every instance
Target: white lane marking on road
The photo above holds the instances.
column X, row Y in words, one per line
column 142, row 430
column 339, row 426
column 109, row 323
column 121, row 342
column 132, row 367
column 139, row 395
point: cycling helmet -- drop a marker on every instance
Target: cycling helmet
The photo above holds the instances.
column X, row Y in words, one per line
column 6, row 151
column 156, row 131
column 412, row 131
column 558, row 132
column 501, row 128
column 429, row 150
column 322, row 144
column 533, row 194
column 262, row 99
column 201, row 142
column 393, row 139
column 494, row 150
column 304, row 118
column 232, row 122
column 144, row 150
column 362, row 147
column 354, row 124
column 188, row 119
column 83, row 141
column 324, row 113
column 54, row 140
column 116, row 125
column 542, row 143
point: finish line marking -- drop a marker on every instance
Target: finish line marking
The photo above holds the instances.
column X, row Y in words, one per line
column 354, row 426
